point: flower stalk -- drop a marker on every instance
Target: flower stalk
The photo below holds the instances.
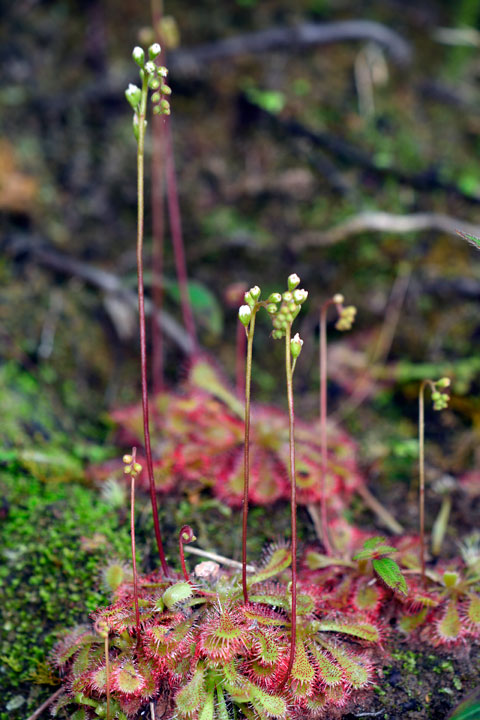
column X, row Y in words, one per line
column 139, row 103
column 346, row 316
column 247, row 315
column 440, row 401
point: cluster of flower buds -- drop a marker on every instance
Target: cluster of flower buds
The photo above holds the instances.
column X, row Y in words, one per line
column 155, row 75
column 346, row 314
column 252, row 297
column 440, row 399
column 291, row 301
column 132, row 467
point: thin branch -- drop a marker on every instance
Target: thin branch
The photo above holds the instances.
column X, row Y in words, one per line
column 380, row 511
column 301, row 36
column 102, row 279
column 218, row 558
column 46, row 704
column 387, row 222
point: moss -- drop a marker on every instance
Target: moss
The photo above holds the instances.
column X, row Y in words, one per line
column 54, row 540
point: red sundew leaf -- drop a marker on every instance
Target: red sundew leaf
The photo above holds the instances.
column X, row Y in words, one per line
column 127, row 679
column 449, row 628
column 223, row 635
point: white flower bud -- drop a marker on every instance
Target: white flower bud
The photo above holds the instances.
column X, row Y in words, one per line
column 296, row 346
column 274, row 298
column 300, row 296
column 154, row 51
column 245, row 315
column 133, row 95
column 255, row 292
column 139, row 56
column 338, row 299
column 293, row 281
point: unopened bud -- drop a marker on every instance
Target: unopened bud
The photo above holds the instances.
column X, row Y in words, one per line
column 296, row 346
column 287, row 296
column 165, row 107
column 156, row 97
column 139, row 56
column 255, row 292
column 338, row 299
column 274, row 298
column 137, row 467
column 444, row 382
column 153, row 83
column 166, row 89
column 293, row 281
column 271, row 308
column 154, row 51
column 300, row 296
column 127, row 459
column 245, row 314
column 133, row 95
column 162, row 71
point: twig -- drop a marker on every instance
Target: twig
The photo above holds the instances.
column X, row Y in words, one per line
column 102, row 279
column 387, row 222
column 217, row 558
column 353, row 155
column 46, row 704
column 303, row 35
column 380, row 511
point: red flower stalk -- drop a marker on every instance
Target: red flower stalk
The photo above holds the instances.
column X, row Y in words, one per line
column 185, row 536
column 141, row 315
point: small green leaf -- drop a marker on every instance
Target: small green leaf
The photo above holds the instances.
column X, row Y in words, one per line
column 391, row 574
column 204, row 303
column 372, row 543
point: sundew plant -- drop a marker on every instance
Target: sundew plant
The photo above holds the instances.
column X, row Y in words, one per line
column 297, row 633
